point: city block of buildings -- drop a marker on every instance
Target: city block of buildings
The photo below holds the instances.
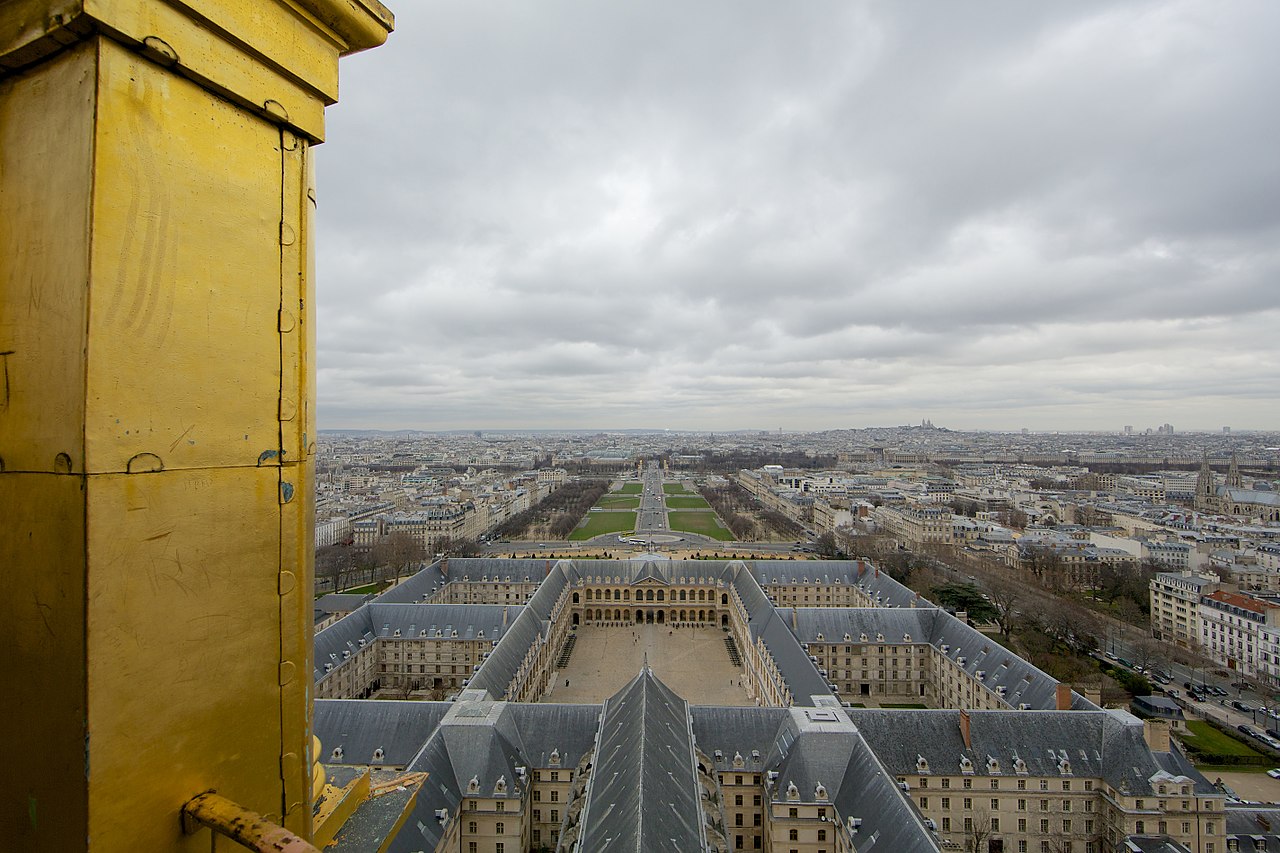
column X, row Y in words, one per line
column 993, row 752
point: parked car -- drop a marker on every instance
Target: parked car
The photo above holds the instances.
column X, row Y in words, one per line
column 1274, row 773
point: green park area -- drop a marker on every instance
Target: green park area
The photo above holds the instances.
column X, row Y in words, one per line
column 673, row 488
column 630, row 489
column 598, row 523
column 1210, row 746
column 703, row 523
column 687, row 502
column 618, row 502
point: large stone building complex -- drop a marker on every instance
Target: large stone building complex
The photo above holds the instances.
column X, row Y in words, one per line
column 999, row 756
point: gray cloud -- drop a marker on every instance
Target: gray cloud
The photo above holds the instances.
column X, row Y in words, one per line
column 832, row 214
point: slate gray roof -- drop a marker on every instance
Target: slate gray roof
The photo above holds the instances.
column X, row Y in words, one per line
column 540, row 729
column 769, row 626
column 532, row 626
column 1152, row 844
column 358, row 727
column 471, row 621
column 1105, row 744
column 373, row 620
column 812, row 746
column 345, row 635
column 663, row 571
column 423, row 584
column 877, row 584
column 722, row 733
column 1251, row 824
column 341, row 602
column 643, row 794
column 467, row 744
column 1023, row 683
column 798, row 672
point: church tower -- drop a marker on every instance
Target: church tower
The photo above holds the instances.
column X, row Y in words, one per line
column 1206, row 492
column 1234, row 481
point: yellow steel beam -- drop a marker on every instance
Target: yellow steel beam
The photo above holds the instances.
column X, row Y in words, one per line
column 157, row 407
column 246, row 828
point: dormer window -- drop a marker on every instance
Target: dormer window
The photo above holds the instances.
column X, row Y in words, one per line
column 738, row 760
column 993, row 766
column 500, row 787
column 337, row 753
column 862, row 638
column 793, row 793
column 1064, row 767
column 378, row 754
column 922, row 764
column 966, row 764
column 555, row 758
column 820, row 637
column 473, row 785
column 820, row 792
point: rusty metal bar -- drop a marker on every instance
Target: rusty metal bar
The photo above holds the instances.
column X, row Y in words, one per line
column 246, row 828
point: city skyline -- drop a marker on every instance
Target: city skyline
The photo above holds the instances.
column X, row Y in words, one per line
column 753, row 217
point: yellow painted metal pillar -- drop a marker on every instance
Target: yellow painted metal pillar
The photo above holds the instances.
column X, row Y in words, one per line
column 157, row 409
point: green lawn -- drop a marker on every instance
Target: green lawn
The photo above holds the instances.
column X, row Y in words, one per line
column 687, row 502
column 1207, row 739
column 618, row 502
column 902, row 705
column 704, row 523
column 673, row 489
column 630, row 489
column 605, row 522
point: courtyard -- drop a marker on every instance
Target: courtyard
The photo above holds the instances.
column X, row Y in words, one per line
column 691, row 661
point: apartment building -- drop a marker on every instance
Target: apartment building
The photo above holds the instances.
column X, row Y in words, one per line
column 1231, row 625
column 1175, row 606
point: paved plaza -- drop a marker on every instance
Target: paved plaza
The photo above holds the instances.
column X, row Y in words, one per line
column 691, row 661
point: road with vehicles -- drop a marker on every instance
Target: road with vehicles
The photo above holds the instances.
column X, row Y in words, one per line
column 652, row 515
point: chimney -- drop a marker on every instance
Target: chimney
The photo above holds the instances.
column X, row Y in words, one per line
column 964, row 729
column 877, row 571
column 548, row 568
column 1064, row 697
column 794, row 620
column 504, row 616
column 444, row 567
column 1156, row 733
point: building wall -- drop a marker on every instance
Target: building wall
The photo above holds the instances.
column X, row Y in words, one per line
column 1047, row 813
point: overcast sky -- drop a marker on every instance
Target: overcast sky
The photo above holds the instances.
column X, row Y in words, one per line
column 753, row 214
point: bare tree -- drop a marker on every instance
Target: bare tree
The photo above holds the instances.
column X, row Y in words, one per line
column 977, row 829
column 463, row 547
column 399, row 552
column 1006, row 594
